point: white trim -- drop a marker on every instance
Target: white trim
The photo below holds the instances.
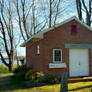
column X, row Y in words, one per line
column 54, row 56
column 41, row 33
column 59, row 65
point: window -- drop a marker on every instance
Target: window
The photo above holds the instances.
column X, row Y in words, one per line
column 57, row 55
column 38, row 49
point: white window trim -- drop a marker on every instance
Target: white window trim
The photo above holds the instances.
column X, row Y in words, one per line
column 54, row 56
column 38, row 49
column 59, row 65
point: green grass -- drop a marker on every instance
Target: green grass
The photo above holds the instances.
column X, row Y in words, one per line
column 3, row 69
column 9, row 84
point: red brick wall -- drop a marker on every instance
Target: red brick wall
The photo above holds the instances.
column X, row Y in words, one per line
column 57, row 38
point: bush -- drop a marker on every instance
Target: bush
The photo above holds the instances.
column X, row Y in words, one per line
column 22, row 68
column 3, row 69
column 51, row 79
column 34, row 76
column 20, row 72
column 20, row 76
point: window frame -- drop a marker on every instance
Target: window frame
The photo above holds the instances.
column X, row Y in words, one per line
column 54, row 56
column 38, row 49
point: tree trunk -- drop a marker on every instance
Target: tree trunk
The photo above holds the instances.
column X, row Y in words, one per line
column 88, row 19
column 10, row 68
column 50, row 13
column 10, row 62
column 79, row 9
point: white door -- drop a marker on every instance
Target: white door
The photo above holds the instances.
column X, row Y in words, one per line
column 78, row 62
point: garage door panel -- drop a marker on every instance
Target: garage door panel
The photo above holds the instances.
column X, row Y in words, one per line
column 78, row 62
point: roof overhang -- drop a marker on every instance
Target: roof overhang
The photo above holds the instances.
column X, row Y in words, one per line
column 41, row 33
column 33, row 39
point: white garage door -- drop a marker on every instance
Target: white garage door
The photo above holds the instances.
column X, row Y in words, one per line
column 78, row 62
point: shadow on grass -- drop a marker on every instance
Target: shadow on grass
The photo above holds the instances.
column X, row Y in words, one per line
column 9, row 83
column 80, row 88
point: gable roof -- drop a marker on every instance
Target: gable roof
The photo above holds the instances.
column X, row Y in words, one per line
column 40, row 34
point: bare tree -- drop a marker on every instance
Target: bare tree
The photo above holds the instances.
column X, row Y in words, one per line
column 6, row 33
column 34, row 16
column 28, row 20
column 84, row 6
column 52, row 11
column 8, row 43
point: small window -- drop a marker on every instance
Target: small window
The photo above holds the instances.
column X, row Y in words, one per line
column 38, row 49
column 57, row 55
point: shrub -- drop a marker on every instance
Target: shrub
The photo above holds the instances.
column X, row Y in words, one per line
column 22, row 68
column 20, row 72
column 20, row 76
column 51, row 79
column 34, row 76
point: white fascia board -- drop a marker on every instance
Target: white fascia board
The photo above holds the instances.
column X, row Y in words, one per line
column 72, row 18
column 39, row 35
column 85, row 25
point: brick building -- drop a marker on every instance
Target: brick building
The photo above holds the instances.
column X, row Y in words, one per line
column 65, row 48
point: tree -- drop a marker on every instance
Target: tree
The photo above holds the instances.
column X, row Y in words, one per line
column 7, row 34
column 28, row 20
column 7, row 37
column 51, row 11
column 54, row 8
column 36, row 15
column 86, row 7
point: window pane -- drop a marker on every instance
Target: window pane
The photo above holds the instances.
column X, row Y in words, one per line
column 38, row 49
column 57, row 55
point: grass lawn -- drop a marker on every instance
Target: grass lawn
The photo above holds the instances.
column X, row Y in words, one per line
column 9, row 84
